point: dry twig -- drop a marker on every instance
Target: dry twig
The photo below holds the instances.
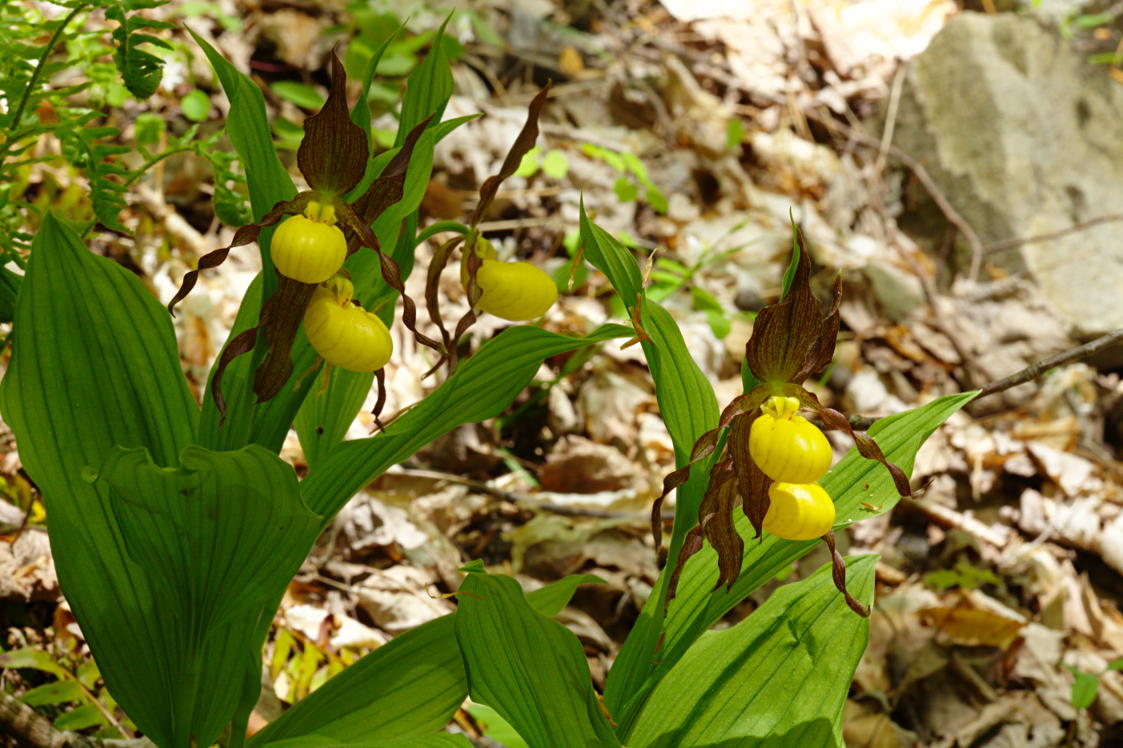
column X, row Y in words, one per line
column 1028, row 374
column 1016, row 242
column 21, row 722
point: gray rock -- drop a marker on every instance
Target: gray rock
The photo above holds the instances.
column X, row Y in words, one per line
column 1025, row 139
column 898, row 292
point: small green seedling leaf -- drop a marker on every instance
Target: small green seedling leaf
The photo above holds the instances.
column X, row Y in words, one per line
column 301, row 94
column 196, row 105
column 555, row 164
column 1084, row 688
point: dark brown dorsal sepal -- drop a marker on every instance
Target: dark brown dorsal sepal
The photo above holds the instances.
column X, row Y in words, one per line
column 333, row 154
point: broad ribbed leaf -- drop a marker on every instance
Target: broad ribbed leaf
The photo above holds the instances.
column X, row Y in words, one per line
column 422, row 741
column 480, row 388
column 94, row 364
column 411, row 686
column 613, row 259
column 686, row 397
column 854, row 482
column 428, row 89
column 689, row 408
column 778, row 678
column 527, row 667
column 327, row 413
column 248, row 128
column 408, row 687
column 211, row 545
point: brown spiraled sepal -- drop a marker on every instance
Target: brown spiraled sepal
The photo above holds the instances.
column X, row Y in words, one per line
column 523, row 143
column 751, row 481
column 863, row 442
column 838, row 573
column 243, row 236
column 703, row 448
column 390, row 273
column 716, row 521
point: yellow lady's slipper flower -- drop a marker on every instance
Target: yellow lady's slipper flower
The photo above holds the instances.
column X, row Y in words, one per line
column 346, row 335
column 799, row 511
column 309, row 248
column 787, row 447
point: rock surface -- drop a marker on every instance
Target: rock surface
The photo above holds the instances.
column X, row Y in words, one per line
column 1025, row 139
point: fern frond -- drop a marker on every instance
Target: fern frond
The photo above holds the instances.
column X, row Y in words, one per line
column 140, row 70
column 107, row 176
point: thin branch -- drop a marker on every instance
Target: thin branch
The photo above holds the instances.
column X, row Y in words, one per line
column 519, row 498
column 1006, row 244
column 1028, row 374
column 1033, row 371
column 30, row 730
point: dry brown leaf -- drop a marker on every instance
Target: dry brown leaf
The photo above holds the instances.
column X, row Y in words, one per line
column 973, row 627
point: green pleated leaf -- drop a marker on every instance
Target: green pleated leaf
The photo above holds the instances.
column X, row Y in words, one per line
column 853, row 482
column 248, row 128
column 778, row 678
column 443, row 740
column 527, row 667
column 428, row 88
column 409, row 687
column 326, row 414
column 480, row 388
column 686, row 397
column 688, row 407
column 216, row 540
column 495, row 727
column 611, row 258
column 94, row 365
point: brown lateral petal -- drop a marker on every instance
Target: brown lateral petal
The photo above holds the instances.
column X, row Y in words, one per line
column 863, row 442
column 742, row 405
column 380, row 401
column 715, row 517
column 523, row 143
column 838, row 572
column 387, row 189
column 472, row 264
column 433, row 286
column 244, row 235
column 281, row 316
column 333, row 154
column 703, row 448
column 243, row 342
column 691, row 544
column 752, row 483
